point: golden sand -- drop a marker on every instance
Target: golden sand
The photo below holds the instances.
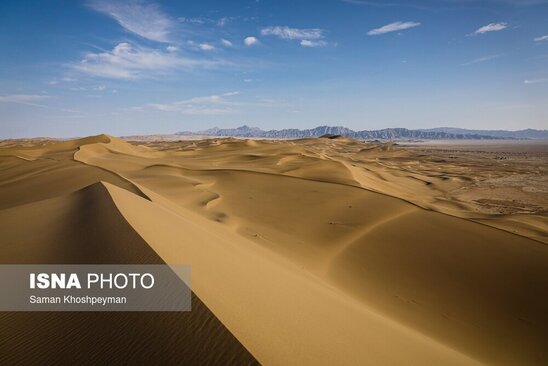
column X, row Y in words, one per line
column 305, row 252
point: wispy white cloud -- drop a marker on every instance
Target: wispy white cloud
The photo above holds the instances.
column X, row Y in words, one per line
column 393, row 27
column 30, row 100
column 221, row 22
column 171, row 49
column 20, row 98
column 308, row 37
column 438, row 4
column 492, row 27
column 138, row 17
column 309, row 43
column 208, row 105
column 226, row 42
column 541, row 38
column 91, row 88
column 285, row 32
column 57, row 81
column 224, row 21
column 441, row 4
column 536, row 81
column 206, row 47
column 251, row 41
column 194, row 20
column 481, row 59
column 126, row 61
column 509, row 2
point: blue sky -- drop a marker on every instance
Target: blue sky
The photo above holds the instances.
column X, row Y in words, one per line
column 70, row 68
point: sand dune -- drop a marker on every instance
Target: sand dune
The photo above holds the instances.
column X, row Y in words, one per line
column 85, row 227
column 310, row 251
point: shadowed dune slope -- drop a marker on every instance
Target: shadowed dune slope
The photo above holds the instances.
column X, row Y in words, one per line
column 86, row 227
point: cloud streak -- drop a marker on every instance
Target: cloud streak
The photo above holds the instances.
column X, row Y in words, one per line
column 206, row 47
column 226, row 42
column 536, row 81
column 308, row 37
column 309, row 43
column 434, row 5
column 138, row 17
column 392, row 27
column 541, row 39
column 481, row 59
column 208, row 105
column 285, row 32
column 492, row 27
column 22, row 98
column 30, row 99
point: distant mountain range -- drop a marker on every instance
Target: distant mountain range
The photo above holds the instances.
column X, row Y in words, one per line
column 521, row 134
column 442, row 133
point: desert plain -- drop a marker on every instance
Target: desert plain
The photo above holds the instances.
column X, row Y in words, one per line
column 303, row 252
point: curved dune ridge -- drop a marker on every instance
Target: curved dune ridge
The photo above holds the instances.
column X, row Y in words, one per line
column 307, row 251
